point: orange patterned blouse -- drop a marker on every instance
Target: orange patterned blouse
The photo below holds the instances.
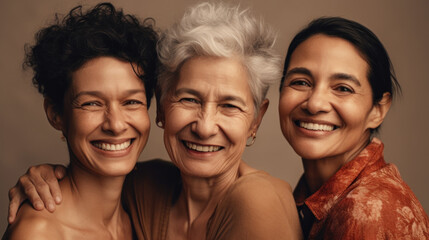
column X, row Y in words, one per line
column 365, row 199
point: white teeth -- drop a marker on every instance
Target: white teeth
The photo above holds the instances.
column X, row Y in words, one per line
column 316, row 126
column 113, row 147
column 201, row 148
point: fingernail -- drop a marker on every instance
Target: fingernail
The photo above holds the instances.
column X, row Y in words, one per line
column 51, row 207
column 57, row 199
column 38, row 205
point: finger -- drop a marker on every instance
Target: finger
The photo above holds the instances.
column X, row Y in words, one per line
column 54, row 188
column 14, row 202
column 43, row 191
column 28, row 191
column 60, row 171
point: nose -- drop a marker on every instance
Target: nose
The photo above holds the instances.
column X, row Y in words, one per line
column 206, row 124
column 318, row 101
column 114, row 121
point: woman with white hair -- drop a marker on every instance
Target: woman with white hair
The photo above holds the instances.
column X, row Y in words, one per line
column 216, row 67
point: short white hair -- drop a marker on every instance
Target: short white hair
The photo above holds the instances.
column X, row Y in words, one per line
column 217, row 30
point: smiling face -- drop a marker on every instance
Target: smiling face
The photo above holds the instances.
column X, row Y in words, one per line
column 105, row 117
column 208, row 116
column 326, row 108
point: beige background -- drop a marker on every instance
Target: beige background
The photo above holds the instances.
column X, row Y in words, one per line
column 27, row 139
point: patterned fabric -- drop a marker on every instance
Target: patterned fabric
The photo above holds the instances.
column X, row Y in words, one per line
column 365, row 199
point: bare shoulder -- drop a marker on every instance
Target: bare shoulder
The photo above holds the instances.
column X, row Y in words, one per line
column 32, row 224
column 260, row 206
column 260, row 185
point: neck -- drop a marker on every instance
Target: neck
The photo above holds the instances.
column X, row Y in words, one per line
column 198, row 200
column 97, row 197
column 318, row 171
column 202, row 194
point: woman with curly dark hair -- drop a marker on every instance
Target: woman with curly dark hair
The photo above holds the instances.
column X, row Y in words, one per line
column 96, row 71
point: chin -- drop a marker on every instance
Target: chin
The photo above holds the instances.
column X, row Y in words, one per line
column 308, row 151
column 118, row 170
column 200, row 170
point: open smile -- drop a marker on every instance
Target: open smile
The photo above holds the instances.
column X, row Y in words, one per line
column 315, row 126
column 112, row 147
column 202, row 148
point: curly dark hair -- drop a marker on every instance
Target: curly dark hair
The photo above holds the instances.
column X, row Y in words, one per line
column 67, row 44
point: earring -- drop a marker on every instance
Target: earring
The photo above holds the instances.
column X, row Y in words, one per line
column 159, row 124
column 252, row 141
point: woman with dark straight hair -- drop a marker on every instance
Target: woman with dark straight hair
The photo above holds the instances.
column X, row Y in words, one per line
column 337, row 87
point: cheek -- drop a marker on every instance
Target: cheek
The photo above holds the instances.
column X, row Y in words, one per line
column 177, row 119
column 140, row 121
column 236, row 129
column 354, row 115
column 284, row 112
column 288, row 101
column 283, row 107
column 81, row 124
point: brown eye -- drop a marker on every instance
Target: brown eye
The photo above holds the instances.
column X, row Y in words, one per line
column 133, row 102
column 230, row 106
column 299, row 83
column 189, row 100
column 345, row 89
column 90, row 104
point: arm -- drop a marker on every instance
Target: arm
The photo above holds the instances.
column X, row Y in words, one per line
column 40, row 186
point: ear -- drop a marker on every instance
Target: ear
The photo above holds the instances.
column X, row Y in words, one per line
column 379, row 111
column 53, row 117
column 159, row 115
column 261, row 112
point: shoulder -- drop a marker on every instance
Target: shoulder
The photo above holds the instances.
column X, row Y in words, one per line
column 33, row 224
column 259, row 184
column 380, row 204
column 260, row 206
column 259, row 194
column 382, row 191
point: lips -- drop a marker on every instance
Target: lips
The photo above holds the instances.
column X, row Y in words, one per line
column 202, row 148
column 112, row 147
column 316, row 126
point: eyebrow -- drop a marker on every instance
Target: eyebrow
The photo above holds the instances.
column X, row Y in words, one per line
column 198, row 94
column 345, row 76
column 299, row 70
column 335, row 76
column 100, row 94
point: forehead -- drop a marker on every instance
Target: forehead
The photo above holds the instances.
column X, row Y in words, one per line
column 207, row 74
column 328, row 52
column 322, row 47
column 104, row 72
